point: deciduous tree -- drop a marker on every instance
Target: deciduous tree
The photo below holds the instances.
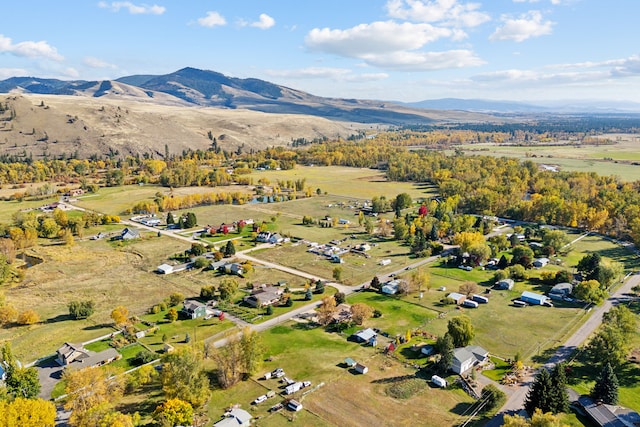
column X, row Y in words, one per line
column 27, row 413
column 183, row 376
column 326, row 310
column 361, row 312
column 120, row 315
column 461, row 331
column 174, row 412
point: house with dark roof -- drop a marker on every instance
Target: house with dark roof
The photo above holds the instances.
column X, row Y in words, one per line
column 193, row 309
column 76, row 354
column 604, row 415
column 264, row 296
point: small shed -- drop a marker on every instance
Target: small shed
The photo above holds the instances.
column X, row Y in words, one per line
column 349, row 362
column 469, row 303
column 294, row 405
column 505, row 284
column 480, row 299
column 540, row 262
column 360, row 368
column 164, row 269
column 533, row 298
column 458, row 298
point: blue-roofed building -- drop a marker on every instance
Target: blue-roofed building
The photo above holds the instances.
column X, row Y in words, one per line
column 534, row 299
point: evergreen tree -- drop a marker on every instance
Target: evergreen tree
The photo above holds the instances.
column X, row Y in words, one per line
column 170, row 218
column 606, row 387
column 559, row 396
column 540, row 393
column 229, row 249
column 375, row 283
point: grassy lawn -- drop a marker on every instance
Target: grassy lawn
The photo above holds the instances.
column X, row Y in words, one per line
column 501, row 368
column 398, row 315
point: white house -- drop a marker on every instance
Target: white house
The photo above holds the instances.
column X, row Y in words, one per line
column 464, row 358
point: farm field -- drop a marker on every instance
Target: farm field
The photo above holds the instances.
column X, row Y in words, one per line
column 360, row 183
column 605, row 159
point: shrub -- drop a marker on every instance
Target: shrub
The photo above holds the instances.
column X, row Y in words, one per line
column 28, row 317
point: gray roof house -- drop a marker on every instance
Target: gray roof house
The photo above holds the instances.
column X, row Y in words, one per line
column 263, row 297
column 129, row 233
column 464, row 358
column 563, row 289
column 365, row 335
column 235, row 418
column 75, row 353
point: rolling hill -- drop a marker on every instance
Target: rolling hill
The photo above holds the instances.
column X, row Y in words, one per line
column 144, row 113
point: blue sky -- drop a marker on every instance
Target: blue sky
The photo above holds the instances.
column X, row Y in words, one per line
column 406, row 50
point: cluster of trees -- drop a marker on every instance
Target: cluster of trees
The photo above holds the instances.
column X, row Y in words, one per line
column 611, row 342
column 19, row 403
column 238, row 359
column 548, row 392
column 9, row 314
column 598, row 276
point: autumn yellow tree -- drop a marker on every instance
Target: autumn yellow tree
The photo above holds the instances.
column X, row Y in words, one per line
column 326, row 310
column 28, row 317
column 361, row 312
column 27, row 413
column 92, row 392
column 174, row 412
column 120, row 315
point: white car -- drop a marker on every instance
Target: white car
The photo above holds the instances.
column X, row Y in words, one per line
column 260, row 399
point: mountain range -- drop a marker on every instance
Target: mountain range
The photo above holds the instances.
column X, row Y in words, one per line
column 194, row 87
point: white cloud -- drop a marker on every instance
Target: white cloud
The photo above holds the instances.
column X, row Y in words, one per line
column 71, row 72
column 337, row 74
column 523, row 27
column 425, row 61
column 393, row 45
column 375, row 38
column 93, row 62
column 142, row 9
column 265, row 22
column 5, row 73
column 445, row 12
column 211, row 20
column 29, row 49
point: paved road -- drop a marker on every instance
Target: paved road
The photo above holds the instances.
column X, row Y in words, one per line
column 515, row 400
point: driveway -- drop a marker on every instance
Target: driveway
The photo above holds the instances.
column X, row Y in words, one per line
column 49, row 373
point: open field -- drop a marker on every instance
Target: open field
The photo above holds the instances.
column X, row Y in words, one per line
column 357, row 183
column 346, row 399
column 606, row 159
